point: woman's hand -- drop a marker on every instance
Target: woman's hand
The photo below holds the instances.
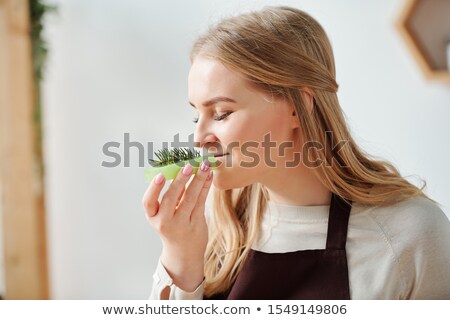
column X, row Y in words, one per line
column 180, row 221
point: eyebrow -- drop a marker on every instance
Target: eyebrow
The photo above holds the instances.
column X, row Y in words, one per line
column 214, row 101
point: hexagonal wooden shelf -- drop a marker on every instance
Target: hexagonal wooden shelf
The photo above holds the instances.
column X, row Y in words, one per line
column 425, row 27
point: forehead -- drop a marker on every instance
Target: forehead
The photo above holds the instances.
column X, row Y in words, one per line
column 209, row 77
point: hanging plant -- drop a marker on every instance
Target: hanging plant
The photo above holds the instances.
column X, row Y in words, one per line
column 38, row 9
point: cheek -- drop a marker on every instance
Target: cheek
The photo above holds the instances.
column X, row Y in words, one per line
column 238, row 132
column 272, row 129
column 246, row 135
column 250, row 128
column 253, row 128
column 246, row 138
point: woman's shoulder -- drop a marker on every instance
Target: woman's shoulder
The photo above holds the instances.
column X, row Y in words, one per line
column 412, row 225
column 415, row 236
column 418, row 213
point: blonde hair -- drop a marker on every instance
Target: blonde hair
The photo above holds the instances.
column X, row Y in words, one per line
column 282, row 50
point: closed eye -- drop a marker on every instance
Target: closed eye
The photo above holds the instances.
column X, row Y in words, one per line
column 218, row 118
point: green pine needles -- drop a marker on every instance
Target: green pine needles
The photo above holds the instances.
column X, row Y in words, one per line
column 170, row 162
column 166, row 156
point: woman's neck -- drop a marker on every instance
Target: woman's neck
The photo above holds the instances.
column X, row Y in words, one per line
column 297, row 186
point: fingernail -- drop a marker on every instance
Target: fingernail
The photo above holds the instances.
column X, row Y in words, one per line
column 210, row 175
column 159, row 178
column 205, row 165
column 187, row 170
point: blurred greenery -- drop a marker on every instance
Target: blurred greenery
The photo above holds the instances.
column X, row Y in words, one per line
column 38, row 10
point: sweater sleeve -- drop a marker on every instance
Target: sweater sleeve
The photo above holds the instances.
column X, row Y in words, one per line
column 161, row 280
column 425, row 262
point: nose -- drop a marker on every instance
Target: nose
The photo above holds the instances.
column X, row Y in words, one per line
column 206, row 140
column 202, row 140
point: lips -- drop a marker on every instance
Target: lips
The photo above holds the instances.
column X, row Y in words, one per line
column 220, row 155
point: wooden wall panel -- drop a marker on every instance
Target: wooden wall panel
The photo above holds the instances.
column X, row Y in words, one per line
column 25, row 256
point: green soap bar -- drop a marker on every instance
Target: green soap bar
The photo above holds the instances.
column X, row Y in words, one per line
column 170, row 171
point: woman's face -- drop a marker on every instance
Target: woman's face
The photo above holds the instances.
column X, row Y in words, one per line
column 235, row 118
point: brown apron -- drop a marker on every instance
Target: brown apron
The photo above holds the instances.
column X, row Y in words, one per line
column 306, row 274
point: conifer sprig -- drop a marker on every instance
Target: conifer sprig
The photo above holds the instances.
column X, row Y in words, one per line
column 166, row 156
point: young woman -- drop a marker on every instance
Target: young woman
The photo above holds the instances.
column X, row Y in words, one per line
column 299, row 210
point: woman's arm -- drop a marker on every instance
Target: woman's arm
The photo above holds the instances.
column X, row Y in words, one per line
column 180, row 221
column 164, row 289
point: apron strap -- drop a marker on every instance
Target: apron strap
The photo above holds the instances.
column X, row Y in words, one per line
column 338, row 222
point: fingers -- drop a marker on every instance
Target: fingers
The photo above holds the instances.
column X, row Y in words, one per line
column 150, row 199
column 199, row 209
column 194, row 189
column 175, row 191
column 181, row 195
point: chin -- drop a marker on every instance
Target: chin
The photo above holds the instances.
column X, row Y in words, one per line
column 224, row 183
column 221, row 186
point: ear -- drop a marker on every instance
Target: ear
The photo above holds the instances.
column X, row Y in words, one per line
column 308, row 96
column 295, row 121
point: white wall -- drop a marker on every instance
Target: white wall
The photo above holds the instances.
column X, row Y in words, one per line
column 121, row 66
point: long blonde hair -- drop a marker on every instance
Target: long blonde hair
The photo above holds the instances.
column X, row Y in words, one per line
column 282, row 50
